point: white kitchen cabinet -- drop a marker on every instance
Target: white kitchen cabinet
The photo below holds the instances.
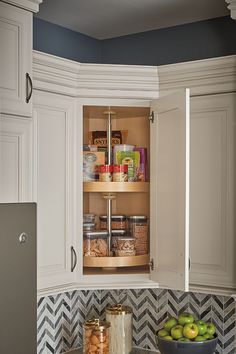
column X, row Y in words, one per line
column 15, row 60
column 15, row 159
column 212, row 190
column 55, row 188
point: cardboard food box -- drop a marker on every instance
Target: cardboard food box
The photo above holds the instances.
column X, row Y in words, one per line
column 91, row 161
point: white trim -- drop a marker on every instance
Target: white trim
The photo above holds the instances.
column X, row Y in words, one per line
column 232, row 8
column 206, row 76
column 30, row 5
column 59, row 75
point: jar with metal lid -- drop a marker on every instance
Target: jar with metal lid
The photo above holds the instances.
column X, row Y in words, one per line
column 138, row 228
column 95, row 243
column 120, row 318
column 89, row 218
column 96, row 337
column 118, row 222
column 125, row 246
column 115, row 234
column 88, row 226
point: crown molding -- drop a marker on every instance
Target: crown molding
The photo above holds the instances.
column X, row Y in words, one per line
column 59, row 75
column 232, row 7
column 206, row 76
column 31, row 5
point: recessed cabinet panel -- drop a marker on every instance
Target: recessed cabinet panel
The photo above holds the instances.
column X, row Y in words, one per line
column 54, row 153
column 15, row 59
column 212, row 211
column 15, row 159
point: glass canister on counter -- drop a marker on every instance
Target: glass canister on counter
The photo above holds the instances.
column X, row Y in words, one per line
column 96, row 337
column 121, row 320
column 138, row 228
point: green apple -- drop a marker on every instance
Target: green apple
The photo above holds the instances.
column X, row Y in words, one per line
column 177, row 332
column 202, row 327
column 183, row 339
column 199, row 339
column 185, row 318
column 206, row 335
column 167, row 338
column 162, row 333
column 210, row 328
column 171, row 322
column 190, row 330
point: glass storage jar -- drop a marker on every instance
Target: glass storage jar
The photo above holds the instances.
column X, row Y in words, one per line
column 115, row 234
column 118, row 222
column 125, row 246
column 96, row 337
column 95, row 243
column 138, row 228
column 120, row 318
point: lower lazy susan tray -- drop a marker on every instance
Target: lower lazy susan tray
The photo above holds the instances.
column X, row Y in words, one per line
column 132, row 261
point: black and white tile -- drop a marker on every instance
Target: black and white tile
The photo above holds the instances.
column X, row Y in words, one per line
column 60, row 317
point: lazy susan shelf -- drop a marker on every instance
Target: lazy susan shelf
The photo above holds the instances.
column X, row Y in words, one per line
column 132, row 261
column 135, row 187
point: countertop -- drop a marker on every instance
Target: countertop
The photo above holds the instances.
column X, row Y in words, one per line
column 134, row 351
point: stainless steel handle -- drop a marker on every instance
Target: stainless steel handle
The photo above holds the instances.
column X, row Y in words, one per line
column 73, row 258
column 29, row 83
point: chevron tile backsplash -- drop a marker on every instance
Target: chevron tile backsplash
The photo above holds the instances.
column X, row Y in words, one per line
column 60, row 317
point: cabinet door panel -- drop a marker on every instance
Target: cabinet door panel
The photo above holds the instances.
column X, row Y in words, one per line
column 170, row 190
column 54, row 192
column 212, row 207
column 15, row 159
column 15, row 58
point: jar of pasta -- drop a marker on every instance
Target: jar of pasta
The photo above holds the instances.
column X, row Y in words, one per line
column 96, row 337
column 125, row 246
column 120, row 318
column 118, row 222
column 138, row 228
column 95, row 243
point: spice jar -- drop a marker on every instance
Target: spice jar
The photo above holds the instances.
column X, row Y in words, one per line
column 138, row 228
column 95, row 243
column 120, row 173
column 120, row 318
column 115, row 234
column 96, row 337
column 105, row 174
column 118, row 222
column 125, row 246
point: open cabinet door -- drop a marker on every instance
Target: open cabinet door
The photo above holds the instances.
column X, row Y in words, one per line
column 169, row 229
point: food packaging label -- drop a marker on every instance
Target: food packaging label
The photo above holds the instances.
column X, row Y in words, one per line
column 132, row 159
column 91, row 161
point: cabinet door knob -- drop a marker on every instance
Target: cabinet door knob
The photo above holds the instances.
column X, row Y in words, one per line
column 29, row 87
column 73, row 258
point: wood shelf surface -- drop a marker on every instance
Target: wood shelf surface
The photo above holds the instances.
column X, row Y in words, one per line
column 131, row 261
column 105, row 187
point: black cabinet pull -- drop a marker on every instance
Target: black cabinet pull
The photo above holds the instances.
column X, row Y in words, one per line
column 29, row 87
column 73, row 258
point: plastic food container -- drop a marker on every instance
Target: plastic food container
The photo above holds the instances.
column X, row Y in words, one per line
column 89, row 218
column 88, row 226
column 120, row 318
column 120, row 173
column 96, row 337
column 105, row 174
column 95, row 243
column 125, row 246
column 115, row 234
column 138, row 228
column 118, row 222
column 121, row 147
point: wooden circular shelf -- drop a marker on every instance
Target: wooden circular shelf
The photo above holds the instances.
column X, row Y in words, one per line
column 104, row 187
column 132, row 261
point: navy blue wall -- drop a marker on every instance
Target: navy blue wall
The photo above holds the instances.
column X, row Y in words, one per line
column 199, row 40
column 57, row 40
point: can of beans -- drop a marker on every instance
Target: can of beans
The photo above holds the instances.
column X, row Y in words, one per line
column 105, row 173
column 120, row 173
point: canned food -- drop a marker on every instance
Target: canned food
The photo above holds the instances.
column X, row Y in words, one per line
column 105, row 174
column 125, row 246
column 96, row 337
column 95, row 243
column 118, row 222
column 120, row 173
column 138, row 228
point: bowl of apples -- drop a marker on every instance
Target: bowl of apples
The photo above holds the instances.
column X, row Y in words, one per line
column 185, row 335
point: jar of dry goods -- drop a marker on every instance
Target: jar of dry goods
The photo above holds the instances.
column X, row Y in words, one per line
column 120, row 318
column 118, row 222
column 96, row 337
column 125, row 246
column 89, row 218
column 138, row 228
column 88, row 226
column 115, row 234
column 95, row 243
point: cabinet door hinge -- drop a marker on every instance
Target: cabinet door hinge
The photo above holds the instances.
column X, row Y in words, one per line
column 151, row 264
column 151, row 117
